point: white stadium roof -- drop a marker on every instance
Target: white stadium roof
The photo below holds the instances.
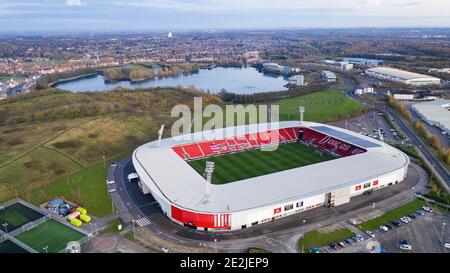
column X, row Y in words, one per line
column 397, row 73
column 178, row 182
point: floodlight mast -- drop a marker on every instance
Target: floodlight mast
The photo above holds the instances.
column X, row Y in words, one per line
column 160, row 133
column 301, row 109
column 209, row 169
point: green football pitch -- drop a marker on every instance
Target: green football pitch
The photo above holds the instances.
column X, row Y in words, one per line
column 50, row 234
column 17, row 215
column 248, row 164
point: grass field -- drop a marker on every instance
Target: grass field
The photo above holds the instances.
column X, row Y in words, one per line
column 10, row 247
column 52, row 234
column 391, row 215
column 317, row 239
column 17, row 215
column 86, row 188
column 243, row 165
column 320, row 106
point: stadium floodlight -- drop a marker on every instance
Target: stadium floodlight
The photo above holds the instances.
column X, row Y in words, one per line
column 301, row 109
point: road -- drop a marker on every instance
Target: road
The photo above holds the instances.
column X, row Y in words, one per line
column 437, row 165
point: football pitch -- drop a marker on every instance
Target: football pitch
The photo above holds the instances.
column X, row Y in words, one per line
column 50, row 234
column 17, row 215
column 248, row 164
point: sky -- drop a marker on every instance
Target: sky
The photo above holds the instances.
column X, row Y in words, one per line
column 172, row 15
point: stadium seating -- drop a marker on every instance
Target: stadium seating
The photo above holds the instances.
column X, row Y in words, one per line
column 256, row 140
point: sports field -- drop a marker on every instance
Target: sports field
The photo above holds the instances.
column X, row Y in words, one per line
column 17, row 215
column 50, row 234
column 248, row 164
column 10, row 247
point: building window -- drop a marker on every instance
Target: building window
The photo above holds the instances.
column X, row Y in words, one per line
column 357, row 188
column 366, row 185
column 288, row 207
column 300, row 204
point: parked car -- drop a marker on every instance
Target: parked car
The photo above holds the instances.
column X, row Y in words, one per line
column 404, row 220
column 408, row 218
column 427, row 209
column 389, row 226
column 351, row 222
column 356, row 239
column 349, row 241
column 412, row 216
column 370, row 233
column 420, row 212
column 333, row 245
column 403, row 242
column 113, row 164
column 384, row 228
column 406, row 247
column 447, row 245
column 314, row 250
column 341, row 244
column 360, row 238
column 395, row 224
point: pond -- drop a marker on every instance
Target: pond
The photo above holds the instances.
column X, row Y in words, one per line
column 244, row 80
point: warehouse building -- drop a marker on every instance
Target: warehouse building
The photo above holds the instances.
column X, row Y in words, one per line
column 435, row 113
column 401, row 76
column 364, row 61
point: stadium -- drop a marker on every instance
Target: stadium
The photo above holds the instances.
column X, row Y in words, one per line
column 314, row 165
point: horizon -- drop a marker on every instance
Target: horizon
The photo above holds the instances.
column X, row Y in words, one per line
column 69, row 16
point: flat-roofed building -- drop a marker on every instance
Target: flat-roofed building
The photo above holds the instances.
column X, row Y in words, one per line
column 364, row 61
column 401, row 76
column 328, row 76
column 435, row 113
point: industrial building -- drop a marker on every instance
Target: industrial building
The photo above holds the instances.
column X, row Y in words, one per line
column 297, row 80
column 187, row 198
column 328, row 76
column 401, row 76
column 364, row 61
column 435, row 113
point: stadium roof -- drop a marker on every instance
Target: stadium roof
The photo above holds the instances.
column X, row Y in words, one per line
column 397, row 73
column 356, row 140
column 187, row 189
column 435, row 112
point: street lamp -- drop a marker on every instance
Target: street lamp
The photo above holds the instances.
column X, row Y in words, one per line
column 412, row 193
column 215, row 243
column 442, row 234
column 373, row 209
column 303, row 232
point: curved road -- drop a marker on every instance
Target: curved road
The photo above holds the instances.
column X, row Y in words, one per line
column 437, row 166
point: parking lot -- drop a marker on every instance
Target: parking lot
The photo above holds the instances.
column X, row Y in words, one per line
column 424, row 234
column 368, row 124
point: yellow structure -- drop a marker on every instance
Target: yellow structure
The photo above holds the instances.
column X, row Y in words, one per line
column 82, row 210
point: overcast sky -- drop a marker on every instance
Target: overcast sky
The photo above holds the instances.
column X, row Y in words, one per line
column 152, row 15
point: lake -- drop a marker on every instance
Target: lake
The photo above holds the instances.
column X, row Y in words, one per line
column 245, row 80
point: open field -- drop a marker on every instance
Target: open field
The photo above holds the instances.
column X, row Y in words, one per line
column 248, row 164
column 17, row 215
column 391, row 215
column 317, row 239
column 10, row 247
column 320, row 106
column 86, row 187
column 50, row 234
